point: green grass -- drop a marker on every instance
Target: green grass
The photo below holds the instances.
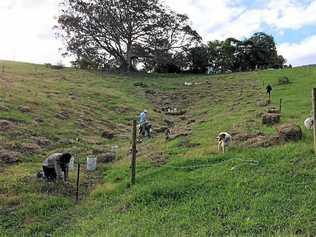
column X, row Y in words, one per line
column 198, row 192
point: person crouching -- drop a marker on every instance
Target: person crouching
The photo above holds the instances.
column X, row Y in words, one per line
column 56, row 167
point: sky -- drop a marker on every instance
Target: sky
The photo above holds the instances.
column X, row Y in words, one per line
column 27, row 26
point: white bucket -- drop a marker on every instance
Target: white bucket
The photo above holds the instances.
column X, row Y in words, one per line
column 309, row 122
column 72, row 163
column 91, row 163
column 114, row 151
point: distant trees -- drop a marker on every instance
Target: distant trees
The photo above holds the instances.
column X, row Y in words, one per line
column 257, row 52
column 123, row 33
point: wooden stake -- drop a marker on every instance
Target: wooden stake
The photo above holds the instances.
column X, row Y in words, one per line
column 314, row 117
column 280, row 106
column 133, row 164
column 78, row 178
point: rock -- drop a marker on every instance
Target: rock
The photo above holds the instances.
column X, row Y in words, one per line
column 106, row 157
column 290, row 132
column 271, row 118
column 158, row 159
column 284, row 80
column 9, row 157
column 108, row 134
column 30, row 148
column 6, row 125
column 25, row 109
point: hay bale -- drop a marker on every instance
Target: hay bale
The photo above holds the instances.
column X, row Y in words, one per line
column 290, row 132
column 271, row 118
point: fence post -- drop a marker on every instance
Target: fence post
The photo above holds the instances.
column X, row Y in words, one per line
column 280, row 109
column 134, row 151
column 78, row 178
column 314, row 117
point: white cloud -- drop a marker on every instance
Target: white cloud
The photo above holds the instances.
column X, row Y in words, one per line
column 26, row 31
column 289, row 14
column 301, row 53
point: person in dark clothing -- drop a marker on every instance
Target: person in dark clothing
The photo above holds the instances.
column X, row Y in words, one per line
column 56, row 166
column 269, row 89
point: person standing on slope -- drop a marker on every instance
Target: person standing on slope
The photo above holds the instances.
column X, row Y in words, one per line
column 144, row 124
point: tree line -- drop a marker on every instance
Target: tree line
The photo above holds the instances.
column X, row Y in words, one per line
column 132, row 35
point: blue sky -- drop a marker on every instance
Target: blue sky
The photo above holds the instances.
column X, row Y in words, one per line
column 27, row 35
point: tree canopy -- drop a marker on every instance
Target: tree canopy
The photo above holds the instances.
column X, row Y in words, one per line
column 121, row 33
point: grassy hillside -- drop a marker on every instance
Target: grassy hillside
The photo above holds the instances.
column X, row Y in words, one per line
column 184, row 187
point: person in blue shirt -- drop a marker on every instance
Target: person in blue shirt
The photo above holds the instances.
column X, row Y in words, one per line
column 144, row 124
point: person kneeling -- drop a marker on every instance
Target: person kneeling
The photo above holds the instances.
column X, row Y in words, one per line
column 56, row 166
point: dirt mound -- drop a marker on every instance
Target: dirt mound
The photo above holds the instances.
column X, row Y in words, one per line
column 108, row 134
column 106, row 157
column 255, row 140
column 25, row 109
column 271, row 118
column 290, row 132
column 42, row 141
column 158, row 159
column 9, row 157
column 6, row 125
column 30, row 148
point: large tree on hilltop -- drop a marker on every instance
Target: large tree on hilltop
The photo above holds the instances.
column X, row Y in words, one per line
column 117, row 33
